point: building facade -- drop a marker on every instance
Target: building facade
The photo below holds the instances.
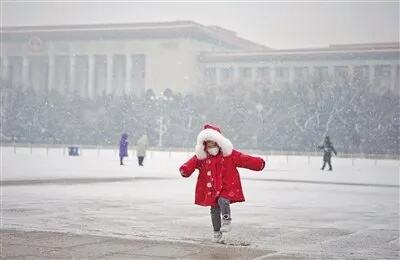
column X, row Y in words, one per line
column 373, row 64
column 116, row 59
column 129, row 59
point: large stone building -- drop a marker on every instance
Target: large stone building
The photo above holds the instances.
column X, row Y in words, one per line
column 375, row 64
column 124, row 59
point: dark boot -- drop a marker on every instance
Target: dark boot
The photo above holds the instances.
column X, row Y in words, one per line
column 140, row 160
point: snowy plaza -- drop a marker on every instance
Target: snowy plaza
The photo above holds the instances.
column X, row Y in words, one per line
column 196, row 130
column 292, row 208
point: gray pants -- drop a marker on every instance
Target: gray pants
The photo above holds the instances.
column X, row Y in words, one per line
column 223, row 209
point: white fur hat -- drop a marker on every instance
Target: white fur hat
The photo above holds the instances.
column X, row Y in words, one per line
column 212, row 133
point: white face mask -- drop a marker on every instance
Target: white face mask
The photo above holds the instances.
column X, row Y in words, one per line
column 213, row 151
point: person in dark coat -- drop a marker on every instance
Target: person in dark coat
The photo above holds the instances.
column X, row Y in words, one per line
column 328, row 149
column 123, row 148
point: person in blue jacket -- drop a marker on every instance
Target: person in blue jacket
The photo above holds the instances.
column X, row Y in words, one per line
column 123, row 148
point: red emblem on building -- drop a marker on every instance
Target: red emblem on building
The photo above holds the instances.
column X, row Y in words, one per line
column 36, row 44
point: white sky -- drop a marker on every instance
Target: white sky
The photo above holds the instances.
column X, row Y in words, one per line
column 290, row 24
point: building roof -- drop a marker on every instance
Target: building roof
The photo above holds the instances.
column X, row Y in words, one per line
column 176, row 29
column 339, row 51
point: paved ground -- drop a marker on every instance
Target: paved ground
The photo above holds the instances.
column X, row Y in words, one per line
column 53, row 245
column 147, row 219
column 55, row 207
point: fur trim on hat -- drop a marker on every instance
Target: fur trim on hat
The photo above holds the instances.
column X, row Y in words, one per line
column 212, row 135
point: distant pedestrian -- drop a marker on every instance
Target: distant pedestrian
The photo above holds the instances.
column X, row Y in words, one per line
column 328, row 149
column 141, row 148
column 123, row 148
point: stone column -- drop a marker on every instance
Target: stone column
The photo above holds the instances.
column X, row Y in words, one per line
column 25, row 72
column 4, row 67
column 393, row 75
column 91, row 88
column 71, row 74
column 110, row 71
column 217, row 75
column 252, row 73
column 236, row 73
column 291, row 74
column 351, row 73
column 128, row 74
column 311, row 72
column 371, row 74
column 331, row 71
column 272, row 74
column 50, row 79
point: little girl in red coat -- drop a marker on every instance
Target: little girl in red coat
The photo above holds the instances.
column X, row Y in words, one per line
column 218, row 184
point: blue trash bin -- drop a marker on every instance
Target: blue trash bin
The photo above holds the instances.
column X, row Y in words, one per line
column 73, row 151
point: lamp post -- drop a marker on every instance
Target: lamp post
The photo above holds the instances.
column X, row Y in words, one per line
column 259, row 108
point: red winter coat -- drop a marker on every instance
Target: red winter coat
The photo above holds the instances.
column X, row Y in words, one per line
column 218, row 176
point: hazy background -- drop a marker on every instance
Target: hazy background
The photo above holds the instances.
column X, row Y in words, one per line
column 359, row 114
column 291, row 24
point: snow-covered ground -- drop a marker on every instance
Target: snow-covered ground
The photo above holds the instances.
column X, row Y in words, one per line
column 53, row 164
column 291, row 207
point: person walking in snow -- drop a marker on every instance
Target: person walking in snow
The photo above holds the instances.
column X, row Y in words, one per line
column 141, row 148
column 123, row 148
column 218, row 184
column 328, row 149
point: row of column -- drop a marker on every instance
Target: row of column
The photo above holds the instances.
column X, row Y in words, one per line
column 51, row 67
column 109, row 89
column 273, row 71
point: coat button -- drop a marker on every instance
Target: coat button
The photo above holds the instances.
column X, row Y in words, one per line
column 208, row 161
column 209, row 185
column 209, row 173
